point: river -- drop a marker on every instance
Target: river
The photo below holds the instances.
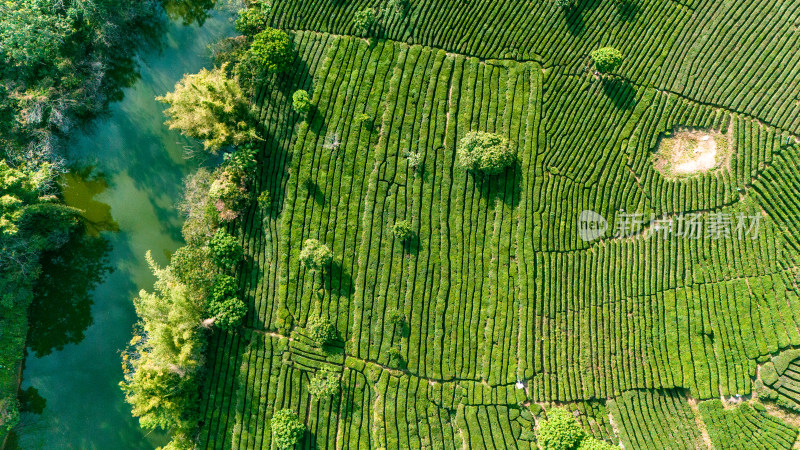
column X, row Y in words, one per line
column 130, row 178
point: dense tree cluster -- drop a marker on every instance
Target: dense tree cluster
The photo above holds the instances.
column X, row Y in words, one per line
column 561, row 431
column 321, row 331
column 287, row 429
column 486, row 153
column 31, row 223
column 324, row 384
column 315, row 255
column 607, row 59
column 403, row 230
column 61, row 62
column 211, row 107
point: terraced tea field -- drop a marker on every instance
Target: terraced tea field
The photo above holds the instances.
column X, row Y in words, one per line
column 656, row 337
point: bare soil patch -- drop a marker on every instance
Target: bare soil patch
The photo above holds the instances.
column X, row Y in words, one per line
column 687, row 152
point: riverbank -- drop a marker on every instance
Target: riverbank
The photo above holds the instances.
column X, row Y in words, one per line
column 134, row 177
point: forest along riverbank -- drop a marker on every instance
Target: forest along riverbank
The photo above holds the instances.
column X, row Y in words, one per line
column 130, row 178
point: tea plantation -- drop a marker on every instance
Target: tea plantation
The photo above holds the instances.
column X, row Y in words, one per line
column 488, row 307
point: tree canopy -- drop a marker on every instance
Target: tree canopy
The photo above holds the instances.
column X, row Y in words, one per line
column 483, row 152
column 607, row 59
column 286, row 429
column 212, row 107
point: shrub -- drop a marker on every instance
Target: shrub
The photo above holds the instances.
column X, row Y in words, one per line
column 321, row 331
column 201, row 214
column 315, row 256
column 224, row 287
column 252, row 20
column 484, row 152
column 211, row 107
column 414, row 160
column 286, row 429
column 228, row 194
column 300, row 102
column 402, row 230
column 324, row 384
column 225, row 251
column 397, row 8
column 590, row 443
column 242, row 161
column 264, row 200
column 192, row 264
column 396, row 358
column 395, row 317
column 363, row 21
column 564, row 4
column 228, row 312
column 606, row 59
column 272, row 49
column 9, row 414
column 560, row 431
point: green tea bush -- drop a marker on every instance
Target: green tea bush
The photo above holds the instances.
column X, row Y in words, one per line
column 483, row 152
column 264, row 200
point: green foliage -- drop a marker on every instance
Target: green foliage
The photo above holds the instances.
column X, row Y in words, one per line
column 363, row 21
column 322, row 331
column 264, row 200
column 242, row 162
column 192, row 266
column 397, row 8
column 224, row 286
column 315, row 256
column 590, row 443
column 226, row 252
column 228, row 312
column 396, row 359
column 272, row 50
column 164, row 357
column 560, row 431
column 402, row 230
column 606, row 59
column 324, row 384
column 228, row 193
column 252, row 21
column 484, row 152
column 396, row 317
column 212, row 107
column 301, row 103
column 18, row 190
column 287, row 429
column 9, row 414
column 31, row 32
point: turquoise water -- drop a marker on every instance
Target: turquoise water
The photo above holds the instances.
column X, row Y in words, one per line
column 130, row 179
